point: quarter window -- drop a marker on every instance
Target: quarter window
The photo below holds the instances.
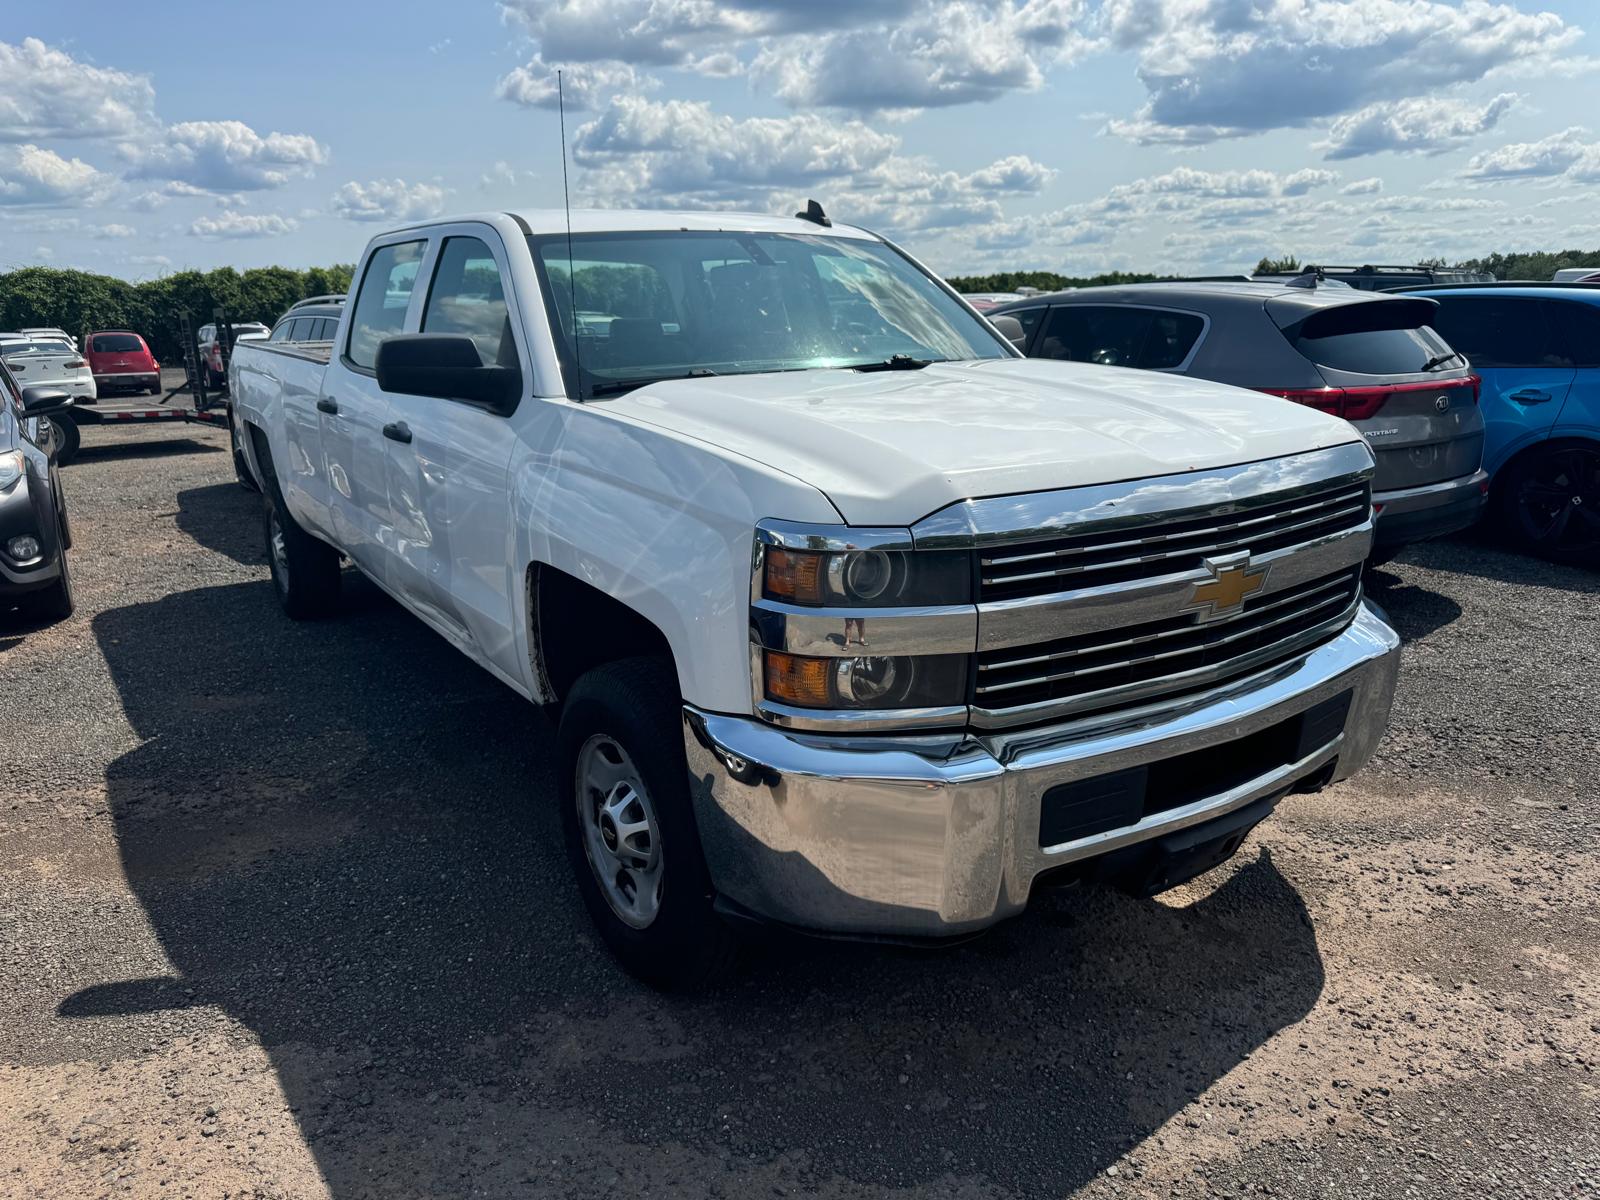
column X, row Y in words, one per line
column 1119, row 335
column 468, row 297
column 382, row 302
column 1580, row 327
column 280, row 333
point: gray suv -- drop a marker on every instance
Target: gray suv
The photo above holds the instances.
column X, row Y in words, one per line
column 1372, row 359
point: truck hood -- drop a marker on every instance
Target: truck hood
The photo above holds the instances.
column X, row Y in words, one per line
column 890, row 447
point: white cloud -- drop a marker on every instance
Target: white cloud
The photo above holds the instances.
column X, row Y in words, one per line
column 1227, row 68
column 31, row 175
column 951, row 53
column 1568, row 155
column 243, row 225
column 1018, row 173
column 1422, row 125
column 642, row 151
column 1369, row 186
column 46, row 93
column 585, row 86
column 226, row 156
column 392, row 200
column 892, row 55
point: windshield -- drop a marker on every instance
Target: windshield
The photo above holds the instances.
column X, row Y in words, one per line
column 665, row 305
column 116, row 343
column 8, row 349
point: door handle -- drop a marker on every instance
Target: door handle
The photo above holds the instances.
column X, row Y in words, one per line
column 398, row 431
column 1530, row 396
column 327, row 406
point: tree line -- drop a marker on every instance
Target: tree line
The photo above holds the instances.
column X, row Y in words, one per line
column 80, row 302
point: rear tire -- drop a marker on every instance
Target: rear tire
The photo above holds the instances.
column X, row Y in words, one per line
column 241, row 465
column 1548, row 502
column 68, row 439
column 629, row 825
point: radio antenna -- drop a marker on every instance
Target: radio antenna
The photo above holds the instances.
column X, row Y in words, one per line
column 566, row 200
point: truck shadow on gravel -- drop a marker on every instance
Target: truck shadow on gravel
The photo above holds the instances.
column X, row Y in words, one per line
column 226, row 518
column 344, row 838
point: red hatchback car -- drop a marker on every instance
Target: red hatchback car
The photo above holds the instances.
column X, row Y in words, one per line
column 121, row 360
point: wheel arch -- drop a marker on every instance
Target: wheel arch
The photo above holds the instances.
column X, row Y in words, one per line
column 1523, row 453
column 574, row 626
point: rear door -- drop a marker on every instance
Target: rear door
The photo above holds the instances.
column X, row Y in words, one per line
column 1580, row 326
column 1404, row 389
column 448, row 485
column 354, row 411
column 1514, row 345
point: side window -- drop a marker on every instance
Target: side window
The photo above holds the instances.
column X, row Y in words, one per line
column 1580, row 329
column 1170, row 338
column 468, row 297
column 280, row 332
column 382, row 302
column 1499, row 331
column 1111, row 336
column 12, row 393
column 324, row 330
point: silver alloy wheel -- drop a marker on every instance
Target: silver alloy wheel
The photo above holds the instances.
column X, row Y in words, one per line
column 620, row 831
column 280, row 550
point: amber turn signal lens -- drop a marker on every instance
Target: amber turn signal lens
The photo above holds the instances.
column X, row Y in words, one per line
column 794, row 575
column 792, row 679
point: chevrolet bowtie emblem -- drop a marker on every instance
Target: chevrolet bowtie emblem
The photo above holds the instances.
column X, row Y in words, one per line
column 1234, row 580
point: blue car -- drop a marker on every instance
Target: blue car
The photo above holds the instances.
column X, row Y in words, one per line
column 1537, row 349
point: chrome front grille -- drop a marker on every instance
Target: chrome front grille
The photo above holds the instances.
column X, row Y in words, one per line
column 1145, row 550
column 1120, row 666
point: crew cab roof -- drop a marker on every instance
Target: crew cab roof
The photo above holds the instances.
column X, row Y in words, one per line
column 547, row 221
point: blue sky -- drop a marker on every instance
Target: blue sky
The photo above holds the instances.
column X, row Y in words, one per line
column 1072, row 135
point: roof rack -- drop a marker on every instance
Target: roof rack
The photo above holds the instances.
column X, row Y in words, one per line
column 329, row 299
column 1578, row 285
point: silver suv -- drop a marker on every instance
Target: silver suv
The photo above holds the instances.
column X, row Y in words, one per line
column 1372, row 359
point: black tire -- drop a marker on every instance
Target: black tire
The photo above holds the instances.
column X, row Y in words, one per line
column 635, row 705
column 241, row 465
column 68, row 439
column 1548, row 502
column 155, row 389
column 61, row 507
column 56, row 602
column 305, row 569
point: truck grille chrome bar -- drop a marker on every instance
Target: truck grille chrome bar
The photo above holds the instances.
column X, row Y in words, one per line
column 1124, row 556
column 1118, row 667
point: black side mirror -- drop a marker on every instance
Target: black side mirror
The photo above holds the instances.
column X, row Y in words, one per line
column 1011, row 329
column 446, row 365
column 43, row 401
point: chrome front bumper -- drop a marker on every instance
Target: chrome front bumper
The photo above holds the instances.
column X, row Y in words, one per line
column 936, row 836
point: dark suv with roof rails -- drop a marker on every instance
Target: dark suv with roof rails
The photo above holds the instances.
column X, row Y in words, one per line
column 1378, row 279
column 1371, row 359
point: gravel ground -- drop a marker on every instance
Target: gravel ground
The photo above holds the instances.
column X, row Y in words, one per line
column 283, row 913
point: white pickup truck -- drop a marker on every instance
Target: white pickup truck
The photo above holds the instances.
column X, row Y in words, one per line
column 858, row 622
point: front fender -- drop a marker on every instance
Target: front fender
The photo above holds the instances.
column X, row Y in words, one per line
column 662, row 523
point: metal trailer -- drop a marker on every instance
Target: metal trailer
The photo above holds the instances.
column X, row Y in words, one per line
column 192, row 402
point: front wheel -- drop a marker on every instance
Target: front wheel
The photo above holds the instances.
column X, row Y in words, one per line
column 630, row 829
column 56, row 602
column 1549, row 502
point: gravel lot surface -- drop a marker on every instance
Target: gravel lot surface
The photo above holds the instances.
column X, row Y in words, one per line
column 284, row 913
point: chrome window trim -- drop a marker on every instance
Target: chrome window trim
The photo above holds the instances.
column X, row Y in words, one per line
column 851, row 632
column 1194, row 348
column 1211, row 492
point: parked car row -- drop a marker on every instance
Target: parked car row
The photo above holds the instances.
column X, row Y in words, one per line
column 1470, row 394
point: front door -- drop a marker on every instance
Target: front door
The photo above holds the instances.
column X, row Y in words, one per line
column 448, row 487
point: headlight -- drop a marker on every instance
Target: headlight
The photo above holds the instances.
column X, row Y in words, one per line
column 867, row 578
column 867, row 681
column 10, row 468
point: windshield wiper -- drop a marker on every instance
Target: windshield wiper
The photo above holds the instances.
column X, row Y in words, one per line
column 615, row 387
column 896, row 362
column 1438, row 360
